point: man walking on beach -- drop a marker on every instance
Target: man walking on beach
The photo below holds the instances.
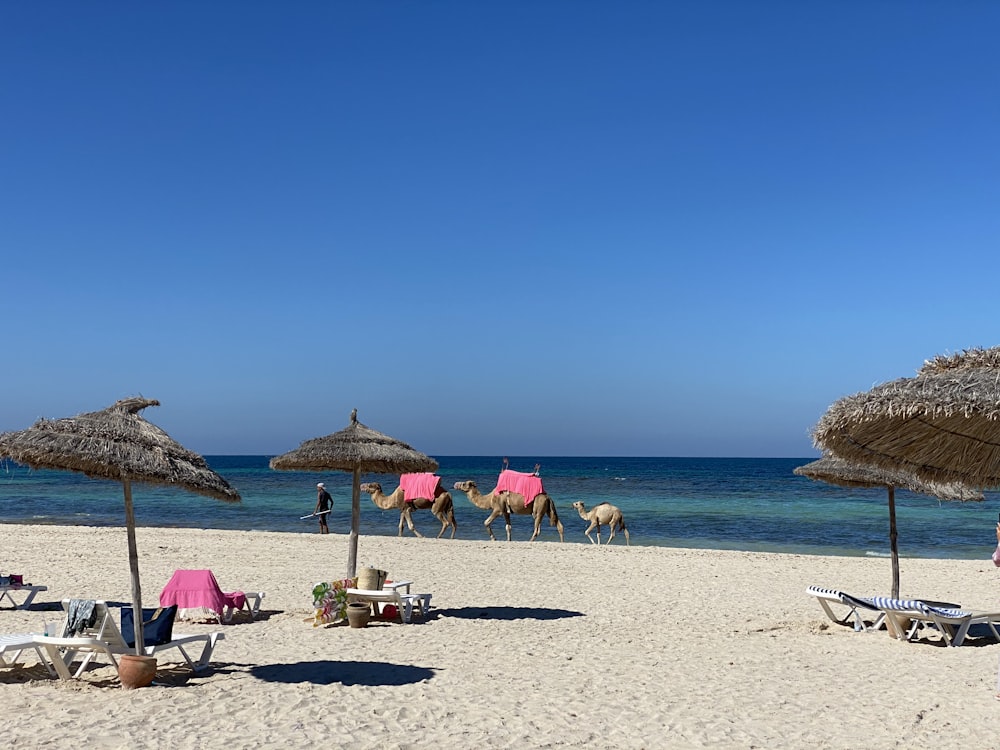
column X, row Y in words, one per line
column 324, row 504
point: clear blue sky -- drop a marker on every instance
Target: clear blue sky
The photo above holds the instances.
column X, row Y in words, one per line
column 522, row 228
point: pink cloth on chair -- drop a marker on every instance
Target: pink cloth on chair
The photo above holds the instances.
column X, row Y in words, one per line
column 423, row 484
column 198, row 589
column 524, row 484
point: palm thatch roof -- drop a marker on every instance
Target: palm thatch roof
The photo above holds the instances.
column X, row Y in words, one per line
column 833, row 470
column 970, row 359
column 355, row 447
column 943, row 425
column 115, row 443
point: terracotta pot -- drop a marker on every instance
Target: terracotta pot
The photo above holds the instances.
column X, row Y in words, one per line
column 136, row 671
column 358, row 614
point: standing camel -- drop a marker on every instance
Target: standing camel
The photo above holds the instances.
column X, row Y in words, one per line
column 505, row 503
column 441, row 506
column 604, row 514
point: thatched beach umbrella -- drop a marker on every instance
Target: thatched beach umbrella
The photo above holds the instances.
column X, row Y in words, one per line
column 117, row 444
column 942, row 425
column 833, row 470
column 356, row 449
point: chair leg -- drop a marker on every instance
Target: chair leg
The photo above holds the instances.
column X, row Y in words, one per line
column 43, row 660
column 57, row 661
column 206, row 654
column 31, row 597
column 187, row 658
column 859, row 621
column 914, row 627
column 959, row 635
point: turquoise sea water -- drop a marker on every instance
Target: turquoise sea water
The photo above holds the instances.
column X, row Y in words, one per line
column 711, row 503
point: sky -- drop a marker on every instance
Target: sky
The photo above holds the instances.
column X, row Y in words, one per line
column 549, row 228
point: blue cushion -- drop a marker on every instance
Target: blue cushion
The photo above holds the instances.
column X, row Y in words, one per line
column 157, row 625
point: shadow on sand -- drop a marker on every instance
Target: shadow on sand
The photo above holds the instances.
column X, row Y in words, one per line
column 56, row 606
column 507, row 613
column 342, row 672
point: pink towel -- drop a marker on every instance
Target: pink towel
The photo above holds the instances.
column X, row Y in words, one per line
column 198, row 589
column 526, row 485
column 423, row 485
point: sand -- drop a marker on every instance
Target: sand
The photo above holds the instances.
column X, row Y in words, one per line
column 528, row 645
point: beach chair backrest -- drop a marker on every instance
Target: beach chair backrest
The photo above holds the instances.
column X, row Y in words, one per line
column 103, row 627
column 157, row 625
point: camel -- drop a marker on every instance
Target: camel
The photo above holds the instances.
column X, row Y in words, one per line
column 604, row 514
column 441, row 506
column 510, row 502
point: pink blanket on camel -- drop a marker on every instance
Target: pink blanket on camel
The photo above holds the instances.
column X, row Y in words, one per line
column 198, row 589
column 524, row 484
column 423, row 484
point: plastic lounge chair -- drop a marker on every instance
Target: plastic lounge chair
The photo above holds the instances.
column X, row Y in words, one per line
column 158, row 635
column 403, row 602
column 196, row 592
column 101, row 636
column 907, row 616
column 13, row 646
column 855, row 605
column 62, row 652
column 13, row 583
column 87, row 635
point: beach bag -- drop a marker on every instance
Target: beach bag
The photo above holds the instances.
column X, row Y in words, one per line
column 371, row 579
column 157, row 625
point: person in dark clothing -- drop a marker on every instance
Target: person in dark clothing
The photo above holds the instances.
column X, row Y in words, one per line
column 323, row 503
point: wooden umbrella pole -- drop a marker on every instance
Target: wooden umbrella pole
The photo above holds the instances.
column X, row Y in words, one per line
column 352, row 546
column 893, row 545
column 133, row 565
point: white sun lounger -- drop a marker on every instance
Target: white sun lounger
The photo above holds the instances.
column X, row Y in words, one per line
column 198, row 595
column 104, row 638
column 856, row 605
column 251, row 604
column 13, row 646
column 7, row 591
column 907, row 615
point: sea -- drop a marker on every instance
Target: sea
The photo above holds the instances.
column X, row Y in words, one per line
column 754, row 504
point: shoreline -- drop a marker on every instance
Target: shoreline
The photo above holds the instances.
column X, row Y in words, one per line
column 527, row 645
column 521, row 537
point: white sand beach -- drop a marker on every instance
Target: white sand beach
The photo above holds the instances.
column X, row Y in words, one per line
column 528, row 645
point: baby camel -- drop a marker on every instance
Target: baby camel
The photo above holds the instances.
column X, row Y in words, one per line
column 604, row 514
